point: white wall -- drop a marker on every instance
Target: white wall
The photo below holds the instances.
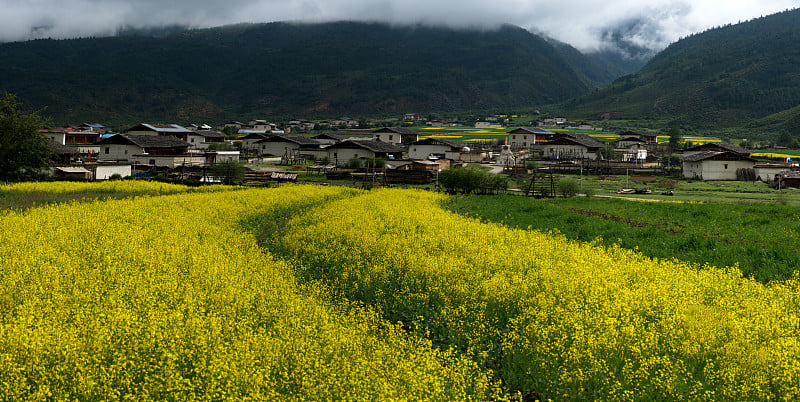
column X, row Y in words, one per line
column 104, row 172
column 714, row 170
column 60, row 138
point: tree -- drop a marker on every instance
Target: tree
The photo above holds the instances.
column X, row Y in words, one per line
column 675, row 137
column 24, row 151
column 230, row 172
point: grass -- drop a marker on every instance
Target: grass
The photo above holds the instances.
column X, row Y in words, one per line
column 762, row 239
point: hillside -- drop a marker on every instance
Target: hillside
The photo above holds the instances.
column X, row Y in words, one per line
column 723, row 77
column 283, row 69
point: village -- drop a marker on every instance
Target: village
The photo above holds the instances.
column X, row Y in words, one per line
column 391, row 155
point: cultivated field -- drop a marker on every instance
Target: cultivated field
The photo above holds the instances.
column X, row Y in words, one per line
column 313, row 292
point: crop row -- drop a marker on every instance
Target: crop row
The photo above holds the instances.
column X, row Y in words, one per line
column 551, row 317
column 171, row 297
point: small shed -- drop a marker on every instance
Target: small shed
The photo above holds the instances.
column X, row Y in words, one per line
column 73, row 173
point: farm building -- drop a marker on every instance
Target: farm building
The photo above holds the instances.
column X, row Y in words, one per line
column 716, row 147
column 524, row 138
column 646, row 136
column 714, row 165
column 327, row 138
column 431, row 147
column 249, row 141
column 202, row 139
column 340, row 153
column 395, row 135
column 285, row 145
column 572, row 146
column 628, row 142
column 156, row 150
column 174, row 130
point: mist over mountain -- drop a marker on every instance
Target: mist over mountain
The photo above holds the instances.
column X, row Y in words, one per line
column 292, row 69
column 722, row 77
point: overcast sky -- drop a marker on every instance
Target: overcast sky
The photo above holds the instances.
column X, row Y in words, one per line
column 586, row 24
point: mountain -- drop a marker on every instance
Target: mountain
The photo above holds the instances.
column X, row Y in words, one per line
column 723, row 77
column 290, row 69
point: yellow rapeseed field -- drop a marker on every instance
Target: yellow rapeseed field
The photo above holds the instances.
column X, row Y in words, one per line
column 554, row 318
column 120, row 186
column 172, row 298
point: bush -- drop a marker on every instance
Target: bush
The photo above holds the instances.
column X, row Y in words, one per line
column 568, row 187
column 354, row 163
column 472, row 181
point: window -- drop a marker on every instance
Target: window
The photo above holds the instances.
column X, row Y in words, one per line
column 106, row 150
column 513, row 137
column 726, row 166
column 390, row 137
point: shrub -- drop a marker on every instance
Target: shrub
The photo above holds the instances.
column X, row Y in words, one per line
column 354, row 163
column 472, row 181
column 568, row 187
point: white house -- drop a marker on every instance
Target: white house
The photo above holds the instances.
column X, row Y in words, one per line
column 714, row 165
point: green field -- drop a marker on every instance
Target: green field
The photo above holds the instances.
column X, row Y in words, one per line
column 761, row 238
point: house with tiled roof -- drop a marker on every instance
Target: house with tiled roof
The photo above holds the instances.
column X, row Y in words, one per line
column 572, row 146
column 715, row 165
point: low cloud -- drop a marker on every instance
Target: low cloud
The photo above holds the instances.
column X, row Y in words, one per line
column 586, row 24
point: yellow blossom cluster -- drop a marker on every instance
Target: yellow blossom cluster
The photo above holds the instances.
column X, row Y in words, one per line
column 114, row 186
column 172, row 298
column 551, row 317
